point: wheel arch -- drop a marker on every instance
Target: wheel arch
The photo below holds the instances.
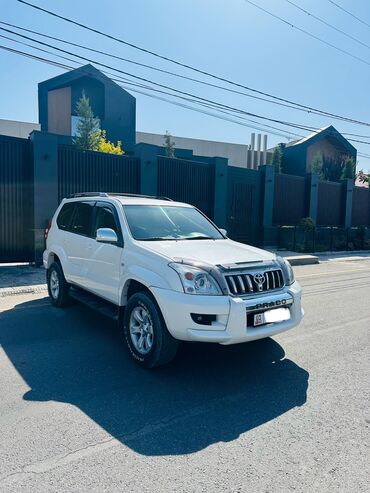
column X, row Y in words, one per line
column 56, row 255
column 133, row 286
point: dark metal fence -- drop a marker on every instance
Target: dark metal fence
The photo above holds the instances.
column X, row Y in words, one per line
column 244, row 205
column 16, row 204
column 187, row 181
column 82, row 171
column 361, row 207
column 329, row 239
column 330, row 204
column 290, row 203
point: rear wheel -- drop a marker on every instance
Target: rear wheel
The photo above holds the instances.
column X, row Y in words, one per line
column 146, row 334
column 57, row 285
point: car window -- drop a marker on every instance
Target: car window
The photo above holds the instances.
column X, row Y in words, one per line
column 83, row 218
column 105, row 219
column 154, row 223
column 65, row 216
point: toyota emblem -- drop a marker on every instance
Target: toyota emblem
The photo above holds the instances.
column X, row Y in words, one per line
column 259, row 279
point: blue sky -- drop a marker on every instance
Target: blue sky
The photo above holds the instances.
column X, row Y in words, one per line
column 232, row 39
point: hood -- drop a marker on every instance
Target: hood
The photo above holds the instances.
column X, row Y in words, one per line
column 215, row 252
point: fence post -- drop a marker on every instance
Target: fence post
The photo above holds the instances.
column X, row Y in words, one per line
column 148, row 155
column 45, row 189
column 313, row 195
column 269, row 234
column 221, row 191
column 348, row 198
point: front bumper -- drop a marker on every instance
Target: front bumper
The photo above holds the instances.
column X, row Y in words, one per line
column 230, row 326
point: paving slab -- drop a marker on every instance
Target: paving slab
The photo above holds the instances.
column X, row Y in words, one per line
column 21, row 278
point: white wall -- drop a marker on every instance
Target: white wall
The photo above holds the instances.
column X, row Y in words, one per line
column 237, row 154
column 17, row 129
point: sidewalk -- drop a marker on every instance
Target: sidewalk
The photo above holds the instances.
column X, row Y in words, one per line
column 316, row 258
column 21, row 279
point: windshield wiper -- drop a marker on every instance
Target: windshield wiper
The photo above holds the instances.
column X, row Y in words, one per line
column 157, row 238
column 200, row 237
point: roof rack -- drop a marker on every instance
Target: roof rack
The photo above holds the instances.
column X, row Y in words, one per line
column 105, row 194
column 87, row 194
column 158, row 197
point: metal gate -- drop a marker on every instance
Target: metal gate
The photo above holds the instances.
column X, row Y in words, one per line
column 16, row 201
column 86, row 171
column 244, row 205
column 187, row 181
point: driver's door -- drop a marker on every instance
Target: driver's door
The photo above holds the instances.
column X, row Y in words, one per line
column 103, row 259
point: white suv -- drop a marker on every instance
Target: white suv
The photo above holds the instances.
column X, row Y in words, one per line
column 166, row 273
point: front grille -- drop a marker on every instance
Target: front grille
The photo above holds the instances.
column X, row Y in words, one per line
column 256, row 282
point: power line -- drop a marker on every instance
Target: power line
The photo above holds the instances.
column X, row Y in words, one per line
column 35, row 47
column 68, row 67
column 294, row 125
column 255, row 115
column 198, row 100
column 288, row 23
column 192, row 79
column 350, row 13
column 184, row 65
column 327, row 24
column 162, row 70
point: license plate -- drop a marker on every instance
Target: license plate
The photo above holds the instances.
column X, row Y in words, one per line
column 271, row 316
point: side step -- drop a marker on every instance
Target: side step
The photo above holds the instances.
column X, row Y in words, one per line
column 98, row 304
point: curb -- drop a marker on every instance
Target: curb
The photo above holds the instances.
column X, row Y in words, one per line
column 37, row 288
column 303, row 260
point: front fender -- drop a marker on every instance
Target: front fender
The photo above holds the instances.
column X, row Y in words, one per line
column 149, row 279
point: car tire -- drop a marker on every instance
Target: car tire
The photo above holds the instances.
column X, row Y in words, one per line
column 147, row 337
column 57, row 285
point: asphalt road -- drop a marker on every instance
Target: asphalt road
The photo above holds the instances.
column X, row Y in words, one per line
column 280, row 415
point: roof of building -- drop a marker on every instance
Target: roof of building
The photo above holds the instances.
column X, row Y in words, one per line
column 329, row 132
column 72, row 75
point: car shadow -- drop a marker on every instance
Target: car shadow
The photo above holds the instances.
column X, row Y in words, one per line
column 208, row 394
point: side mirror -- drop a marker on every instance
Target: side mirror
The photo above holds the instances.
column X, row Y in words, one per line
column 106, row 235
column 223, row 231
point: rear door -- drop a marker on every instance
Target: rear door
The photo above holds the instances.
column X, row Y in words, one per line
column 75, row 244
column 103, row 260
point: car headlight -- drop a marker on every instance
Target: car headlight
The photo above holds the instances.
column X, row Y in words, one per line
column 287, row 270
column 195, row 280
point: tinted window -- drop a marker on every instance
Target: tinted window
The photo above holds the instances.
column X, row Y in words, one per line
column 105, row 219
column 82, row 218
column 65, row 216
column 154, row 222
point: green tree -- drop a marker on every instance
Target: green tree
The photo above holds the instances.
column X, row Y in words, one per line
column 317, row 165
column 88, row 133
column 277, row 159
column 363, row 177
column 169, row 144
column 348, row 169
column 307, row 224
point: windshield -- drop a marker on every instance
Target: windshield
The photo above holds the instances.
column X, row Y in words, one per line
column 155, row 223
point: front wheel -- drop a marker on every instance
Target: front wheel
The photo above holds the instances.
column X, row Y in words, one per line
column 146, row 334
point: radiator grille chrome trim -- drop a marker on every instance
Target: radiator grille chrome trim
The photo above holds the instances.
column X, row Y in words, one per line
column 243, row 283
